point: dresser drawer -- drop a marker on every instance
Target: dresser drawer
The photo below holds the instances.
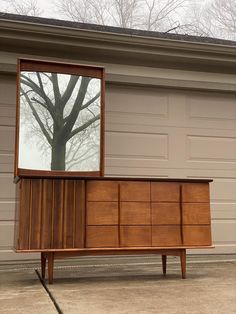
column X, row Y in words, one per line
column 166, row 214
column 102, row 213
column 102, row 236
column 135, row 236
column 165, row 192
column 135, row 213
column 197, row 192
column 166, row 236
column 196, row 213
column 135, row 191
column 102, row 191
column 197, row 235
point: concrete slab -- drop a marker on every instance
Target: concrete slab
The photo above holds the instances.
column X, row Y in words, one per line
column 124, row 285
column 133, row 286
column 21, row 292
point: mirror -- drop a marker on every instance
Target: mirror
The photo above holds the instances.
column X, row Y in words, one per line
column 59, row 118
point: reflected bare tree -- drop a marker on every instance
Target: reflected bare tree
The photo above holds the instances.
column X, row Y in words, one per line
column 67, row 114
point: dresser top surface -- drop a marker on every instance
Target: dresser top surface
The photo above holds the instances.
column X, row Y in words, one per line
column 106, row 178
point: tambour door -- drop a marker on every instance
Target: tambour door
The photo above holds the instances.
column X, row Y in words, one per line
column 51, row 214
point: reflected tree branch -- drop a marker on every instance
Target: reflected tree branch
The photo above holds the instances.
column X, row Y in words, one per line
column 49, row 139
column 28, row 82
column 84, row 126
column 91, row 101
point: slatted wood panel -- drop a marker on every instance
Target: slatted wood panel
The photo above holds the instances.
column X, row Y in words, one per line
column 51, row 214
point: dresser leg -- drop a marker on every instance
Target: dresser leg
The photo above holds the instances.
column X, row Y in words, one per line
column 50, row 267
column 164, row 264
column 43, row 265
column 183, row 262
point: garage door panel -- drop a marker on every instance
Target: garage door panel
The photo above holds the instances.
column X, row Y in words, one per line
column 7, row 254
column 7, row 210
column 203, row 105
column 160, row 167
column 7, row 233
column 143, row 108
column 165, row 107
column 206, row 148
column 136, row 172
column 224, row 231
column 6, row 163
column 211, row 110
column 133, row 145
column 133, row 100
column 222, row 210
column 8, row 188
column 223, row 189
column 7, row 139
column 7, row 89
column 7, row 114
column 7, row 145
column 178, row 150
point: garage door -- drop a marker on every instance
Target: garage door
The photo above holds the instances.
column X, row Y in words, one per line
column 184, row 134
column 149, row 132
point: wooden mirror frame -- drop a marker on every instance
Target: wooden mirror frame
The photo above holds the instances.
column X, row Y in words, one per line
column 32, row 65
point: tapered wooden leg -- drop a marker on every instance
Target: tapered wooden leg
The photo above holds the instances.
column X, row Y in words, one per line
column 164, row 264
column 43, row 265
column 50, row 267
column 183, row 263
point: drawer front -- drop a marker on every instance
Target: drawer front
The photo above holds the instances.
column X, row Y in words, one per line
column 102, row 236
column 102, row 191
column 197, row 235
column 166, row 214
column 135, row 236
column 196, row 214
column 135, row 191
column 195, row 192
column 165, row 192
column 102, row 213
column 135, row 213
column 166, row 236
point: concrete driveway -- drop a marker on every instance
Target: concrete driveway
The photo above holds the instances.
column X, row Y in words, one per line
column 126, row 285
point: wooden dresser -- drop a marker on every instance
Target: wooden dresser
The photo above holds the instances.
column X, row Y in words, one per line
column 87, row 216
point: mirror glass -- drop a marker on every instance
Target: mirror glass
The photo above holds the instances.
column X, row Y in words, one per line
column 59, row 125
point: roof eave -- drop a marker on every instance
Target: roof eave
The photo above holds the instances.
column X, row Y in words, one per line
column 17, row 31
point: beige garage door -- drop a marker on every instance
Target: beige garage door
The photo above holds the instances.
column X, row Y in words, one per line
column 149, row 132
column 181, row 134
